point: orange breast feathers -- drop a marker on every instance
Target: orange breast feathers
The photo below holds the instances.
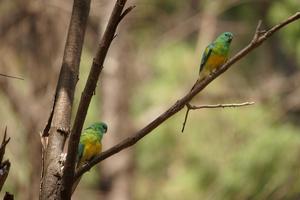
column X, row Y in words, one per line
column 214, row 62
column 91, row 150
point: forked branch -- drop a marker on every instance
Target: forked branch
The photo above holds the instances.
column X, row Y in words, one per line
column 227, row 105
column 109, row 34
column 258, row 39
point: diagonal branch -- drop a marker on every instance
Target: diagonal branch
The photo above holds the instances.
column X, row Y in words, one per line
column 9, row 76
column 261, row 37
column 69, row 169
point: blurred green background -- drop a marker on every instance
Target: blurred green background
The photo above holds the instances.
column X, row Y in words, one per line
column 235, row 153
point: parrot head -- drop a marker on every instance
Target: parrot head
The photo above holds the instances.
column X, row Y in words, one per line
column 99, row 127
column 225, row 37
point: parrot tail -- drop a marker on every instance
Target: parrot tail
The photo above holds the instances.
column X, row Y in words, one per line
column 197, row 82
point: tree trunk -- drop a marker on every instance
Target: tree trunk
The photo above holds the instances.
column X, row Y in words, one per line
column 59, row 122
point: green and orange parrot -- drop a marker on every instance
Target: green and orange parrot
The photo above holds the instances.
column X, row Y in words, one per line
column 90, row 142
column 215, row 55
column 89, row 145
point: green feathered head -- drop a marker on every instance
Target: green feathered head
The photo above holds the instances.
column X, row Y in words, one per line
column 100, row 127
column 225, row 37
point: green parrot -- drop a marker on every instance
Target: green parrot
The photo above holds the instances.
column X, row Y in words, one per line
column 89, row 145
column 215, row 55
column 90, row 142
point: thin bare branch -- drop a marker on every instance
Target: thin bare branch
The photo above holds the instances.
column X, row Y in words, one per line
column 184, row 100
column 185, row 117
column 227, row 105
column 192, row 107
column 69, row 169
column 257, row 31
column 126, row 11
column 9, row 76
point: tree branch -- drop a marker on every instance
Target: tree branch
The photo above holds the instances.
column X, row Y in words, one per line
column 90, row 86
column 227, row 105
column 230, row 105
column 4, row 165
column 58, row 124
column 126, row 11
column 9, row 76
column 259, row 38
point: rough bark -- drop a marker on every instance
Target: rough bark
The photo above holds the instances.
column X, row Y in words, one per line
column 59, row 121
column 69, row 168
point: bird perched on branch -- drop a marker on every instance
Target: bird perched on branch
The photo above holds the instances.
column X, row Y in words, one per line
column 215, row 55
column 89, row 145
column 90, row 142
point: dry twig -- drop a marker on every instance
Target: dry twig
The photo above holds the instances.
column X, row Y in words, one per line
column 227, row 105
column 9, row 76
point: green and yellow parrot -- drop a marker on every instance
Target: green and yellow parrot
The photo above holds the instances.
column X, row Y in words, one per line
column 215, row 55
column 90, row 142
column 89, row 145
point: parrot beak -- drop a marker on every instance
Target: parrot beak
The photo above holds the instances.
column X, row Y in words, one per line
column 230, row 38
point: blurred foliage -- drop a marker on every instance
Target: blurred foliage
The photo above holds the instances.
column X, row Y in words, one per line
column 242, row 153
column 246, row 153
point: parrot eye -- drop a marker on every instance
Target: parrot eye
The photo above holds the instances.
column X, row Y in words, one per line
column 228, row 35
column 105, row 127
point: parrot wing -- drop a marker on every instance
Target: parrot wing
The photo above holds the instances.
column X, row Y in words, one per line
column 80, row 152
column 206, row 55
